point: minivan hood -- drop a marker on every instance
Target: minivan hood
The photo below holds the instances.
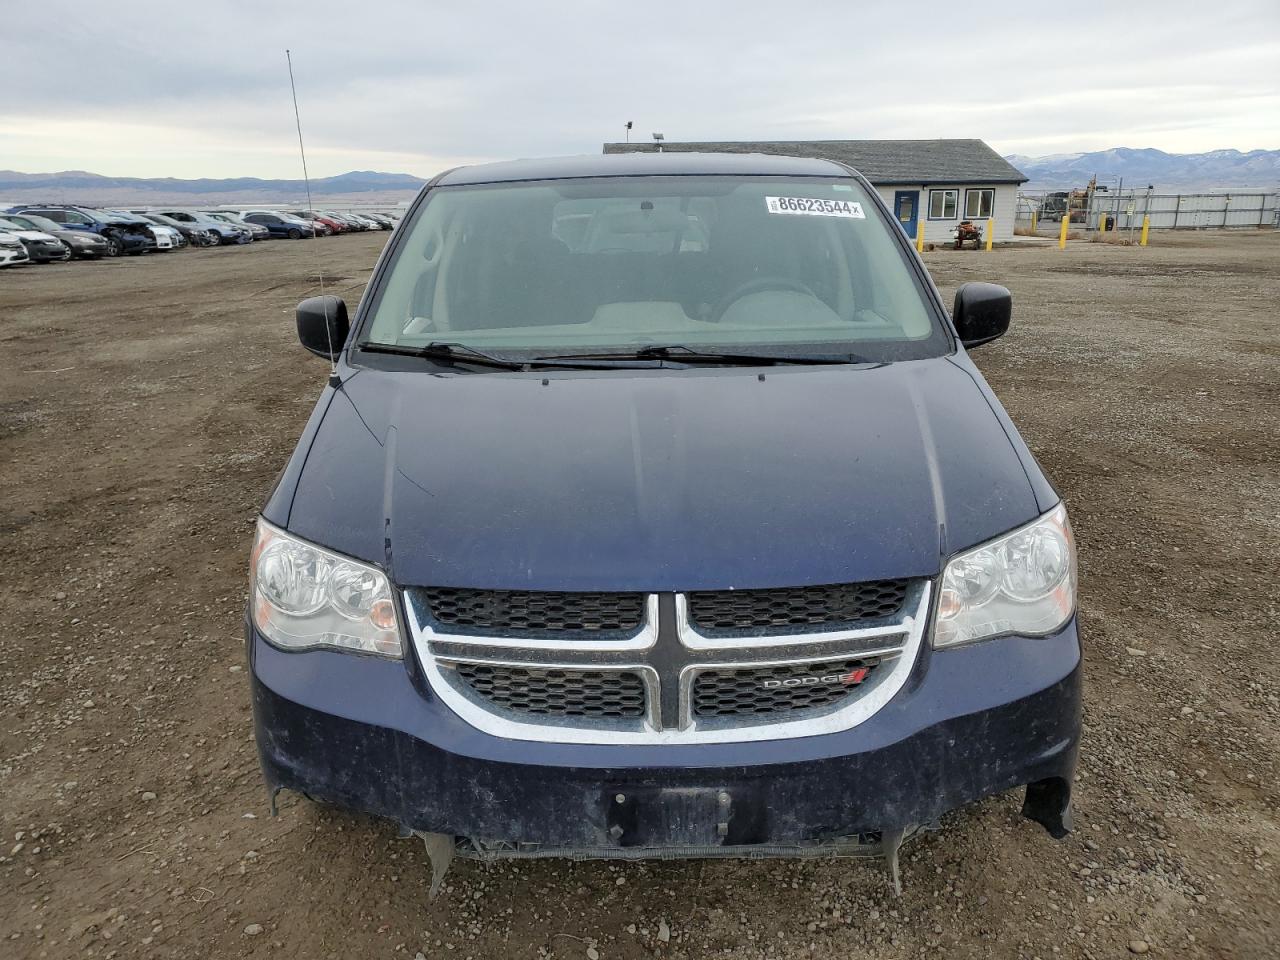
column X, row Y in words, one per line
column 660, row 480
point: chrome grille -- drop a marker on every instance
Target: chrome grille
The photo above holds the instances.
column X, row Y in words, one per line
column 523, row 611
column 840, row 604
column 643, row 668
column 557, row 693
column 778, row 688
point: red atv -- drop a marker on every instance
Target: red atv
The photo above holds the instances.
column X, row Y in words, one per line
column 966, row 231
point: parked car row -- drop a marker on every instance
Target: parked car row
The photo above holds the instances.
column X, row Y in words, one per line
column 44, row 233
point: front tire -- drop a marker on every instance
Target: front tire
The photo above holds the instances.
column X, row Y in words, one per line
column 295, row 234
column 115, row 246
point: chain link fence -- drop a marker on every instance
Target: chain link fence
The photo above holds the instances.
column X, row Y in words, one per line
column 1041, row 212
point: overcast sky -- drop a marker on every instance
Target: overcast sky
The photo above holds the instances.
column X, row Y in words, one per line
column 201, row 89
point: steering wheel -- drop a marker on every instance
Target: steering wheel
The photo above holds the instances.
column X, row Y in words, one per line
column 758, row 285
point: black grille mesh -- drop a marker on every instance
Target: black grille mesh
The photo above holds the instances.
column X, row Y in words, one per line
column 741, row 691
column 534, row 612
column 557, row 693
column 840, row 604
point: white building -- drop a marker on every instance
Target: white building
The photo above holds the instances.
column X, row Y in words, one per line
column 934, row 183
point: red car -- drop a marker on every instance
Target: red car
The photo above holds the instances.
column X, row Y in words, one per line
column 333, row 225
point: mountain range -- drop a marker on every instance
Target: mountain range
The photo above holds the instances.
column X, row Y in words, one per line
column 79, row 186
column 1215, row 170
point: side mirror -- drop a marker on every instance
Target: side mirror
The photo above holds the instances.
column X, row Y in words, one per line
column 982, row 312
column 323, row 325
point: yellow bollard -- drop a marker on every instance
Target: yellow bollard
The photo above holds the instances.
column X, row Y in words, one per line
column 1146, row 225
column 991, row 230
column 1102, row 223
column 919, row 236
column 1062, row 234
column 1033, row 221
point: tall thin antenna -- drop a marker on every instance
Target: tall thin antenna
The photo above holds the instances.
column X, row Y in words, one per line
column 306, row 179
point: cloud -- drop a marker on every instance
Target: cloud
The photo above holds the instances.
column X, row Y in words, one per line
column 150, row 88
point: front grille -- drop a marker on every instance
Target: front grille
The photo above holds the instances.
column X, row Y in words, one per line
column 840, row 605
column 770, row 690
column 528, row 612
column 557, row 693
column 715, row 666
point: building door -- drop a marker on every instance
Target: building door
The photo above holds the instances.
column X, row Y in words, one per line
column 906, row 208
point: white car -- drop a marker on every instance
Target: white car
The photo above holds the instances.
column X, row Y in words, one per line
column 12, row 250
column 167, row 238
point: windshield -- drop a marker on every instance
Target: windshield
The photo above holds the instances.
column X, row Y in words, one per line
column 30, row 222
column 765, row 264
column 9, row 224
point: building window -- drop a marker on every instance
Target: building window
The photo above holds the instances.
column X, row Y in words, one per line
column 979, row 204
column 943, row 203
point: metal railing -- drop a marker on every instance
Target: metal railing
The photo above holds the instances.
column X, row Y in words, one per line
column 1163, row 211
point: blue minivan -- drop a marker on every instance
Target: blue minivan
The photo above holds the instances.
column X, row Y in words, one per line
column 655, row 508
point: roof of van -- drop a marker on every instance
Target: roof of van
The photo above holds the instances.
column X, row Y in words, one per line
column 645, row 165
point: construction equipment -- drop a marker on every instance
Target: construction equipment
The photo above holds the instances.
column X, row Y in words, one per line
column 1072, row 205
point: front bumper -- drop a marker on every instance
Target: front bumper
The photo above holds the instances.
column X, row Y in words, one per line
column 367, row 734
column 43, row 251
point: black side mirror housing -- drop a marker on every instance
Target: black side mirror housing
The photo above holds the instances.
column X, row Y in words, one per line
column 982, row 313
column 323, row 325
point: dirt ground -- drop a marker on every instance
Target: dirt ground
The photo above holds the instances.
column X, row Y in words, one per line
column 146, row 406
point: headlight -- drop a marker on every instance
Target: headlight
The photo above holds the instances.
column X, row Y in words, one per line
column 304, row 597
column 1023, row 583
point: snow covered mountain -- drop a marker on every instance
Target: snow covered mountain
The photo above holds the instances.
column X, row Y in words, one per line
column 1217, row 169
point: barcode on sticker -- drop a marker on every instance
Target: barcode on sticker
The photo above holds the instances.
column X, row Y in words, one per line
column 815, row 207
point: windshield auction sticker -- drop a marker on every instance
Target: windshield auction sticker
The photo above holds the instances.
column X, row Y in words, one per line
column 814, row 207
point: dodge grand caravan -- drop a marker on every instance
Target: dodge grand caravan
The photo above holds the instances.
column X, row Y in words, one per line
column 655, row 508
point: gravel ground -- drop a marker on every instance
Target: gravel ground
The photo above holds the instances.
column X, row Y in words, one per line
column 146, row 408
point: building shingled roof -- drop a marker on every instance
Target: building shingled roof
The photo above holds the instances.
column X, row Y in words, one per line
column 880, row 161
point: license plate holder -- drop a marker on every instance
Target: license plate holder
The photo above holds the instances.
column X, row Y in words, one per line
column 669, row 816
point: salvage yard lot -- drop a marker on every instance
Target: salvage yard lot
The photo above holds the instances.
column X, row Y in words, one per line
column 146, row 407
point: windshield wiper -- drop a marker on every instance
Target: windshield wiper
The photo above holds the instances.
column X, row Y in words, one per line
column 450, row 352
column 458, row 353
column 683, row 354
